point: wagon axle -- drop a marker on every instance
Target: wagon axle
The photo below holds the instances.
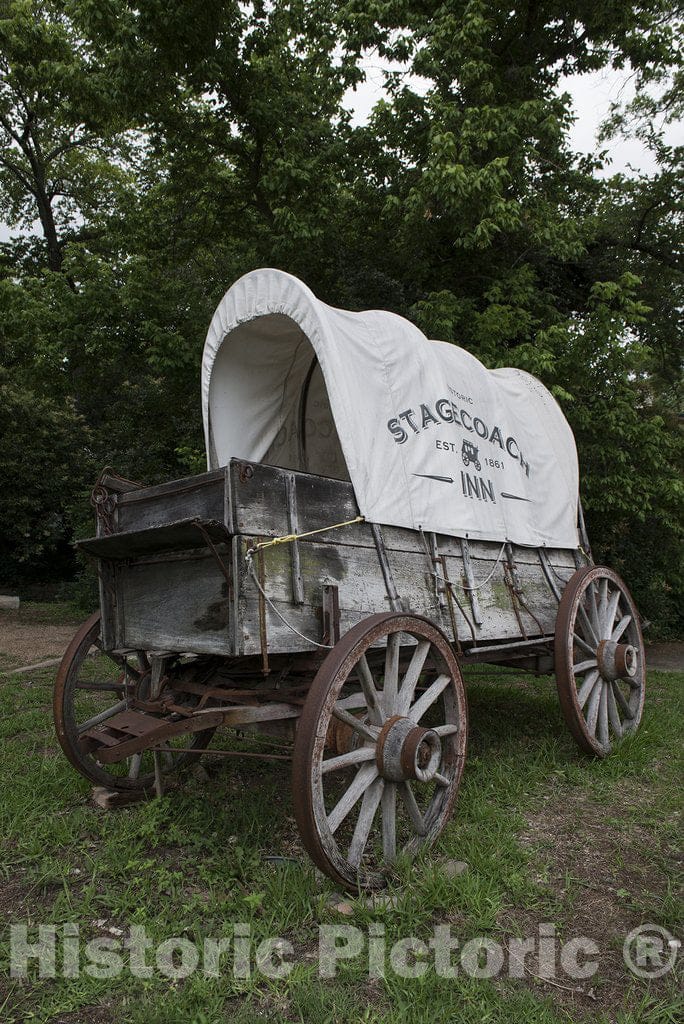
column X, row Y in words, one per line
column 407, row 751
column 616, row 661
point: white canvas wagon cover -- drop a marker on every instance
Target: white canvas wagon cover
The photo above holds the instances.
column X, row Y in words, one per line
column 427, row 435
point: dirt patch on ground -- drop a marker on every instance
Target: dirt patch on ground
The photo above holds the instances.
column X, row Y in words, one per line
column 18, row 902
column 23, row 641
column 665, row 657
column 594, row 866
column 23, row 902
column 88, row 1015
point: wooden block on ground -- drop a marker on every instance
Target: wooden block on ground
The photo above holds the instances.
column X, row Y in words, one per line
column 108, row 799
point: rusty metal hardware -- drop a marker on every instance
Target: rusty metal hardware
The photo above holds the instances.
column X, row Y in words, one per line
column 331, row 614
column 263, row 634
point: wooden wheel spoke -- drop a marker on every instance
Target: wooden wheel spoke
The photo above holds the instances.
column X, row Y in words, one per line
column 102, row 716
column 351, row 757
column 587, row 688
column 593, row 707
column 582, row 666
column 367, row 731
column 167, row 757
column 411, row 804
column 613, row 713
column 610, row 615
column 97, row 687
column 389, row 821
column 441, row 780
column 621, row 627
column 603, row 598
column 587, row 648
column 411, row 677
column 370, row 693
column 363, row 779
column 354, row 701
column 592, row 601
column 588, row 628
column 127, row 662
column 369, row 807
column 134, row 766
column 620, row 698
column 427, row 699
column 391, row 683
column 446, row 730
column 603, row 715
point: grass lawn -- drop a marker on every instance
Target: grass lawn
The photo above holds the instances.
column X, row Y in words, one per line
column 549, row 837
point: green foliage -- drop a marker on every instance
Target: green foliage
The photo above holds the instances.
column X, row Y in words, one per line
column 164, row 149
column 631, row 449
column 41, row 466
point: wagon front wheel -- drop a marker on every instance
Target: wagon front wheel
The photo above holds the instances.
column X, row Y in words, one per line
column 91, row 687
column 599, row 655
column 380, row 748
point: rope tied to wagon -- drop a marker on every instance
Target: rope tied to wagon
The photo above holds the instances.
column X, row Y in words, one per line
column 483, row 583
column 276, row 611
column 288, row 538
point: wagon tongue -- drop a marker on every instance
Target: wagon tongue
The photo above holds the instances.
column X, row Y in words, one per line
column 129, row 732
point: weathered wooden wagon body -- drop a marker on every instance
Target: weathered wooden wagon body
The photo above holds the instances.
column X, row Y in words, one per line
column 164, row 587
column 272, row 598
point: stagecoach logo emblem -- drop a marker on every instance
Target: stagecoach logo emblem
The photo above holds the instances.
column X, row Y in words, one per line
column 470, row 453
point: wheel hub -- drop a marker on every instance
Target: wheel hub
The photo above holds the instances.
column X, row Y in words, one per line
column 407, row 751
column 616, row 661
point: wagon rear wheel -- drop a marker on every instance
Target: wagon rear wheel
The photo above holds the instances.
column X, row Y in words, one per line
column 380, row 748
column 599, row 654
column 92, row 686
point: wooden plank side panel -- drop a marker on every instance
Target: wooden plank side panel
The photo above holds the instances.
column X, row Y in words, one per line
column 257, row 506
column 347, row 557
column 177, row 603
column 199, row 497
column 179, row 600
column 171, row 537
column 260, row 507
column 106, row 572
column 361, row 592
column 355, row 571
column 499, row 620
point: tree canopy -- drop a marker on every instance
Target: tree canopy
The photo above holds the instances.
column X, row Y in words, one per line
column 152, row 153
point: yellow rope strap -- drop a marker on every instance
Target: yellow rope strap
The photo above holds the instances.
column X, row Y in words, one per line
column 289, row 537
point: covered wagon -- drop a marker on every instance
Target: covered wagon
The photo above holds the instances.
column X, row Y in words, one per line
column 377, row 509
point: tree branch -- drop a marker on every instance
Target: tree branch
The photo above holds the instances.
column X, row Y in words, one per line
column 18, row 174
